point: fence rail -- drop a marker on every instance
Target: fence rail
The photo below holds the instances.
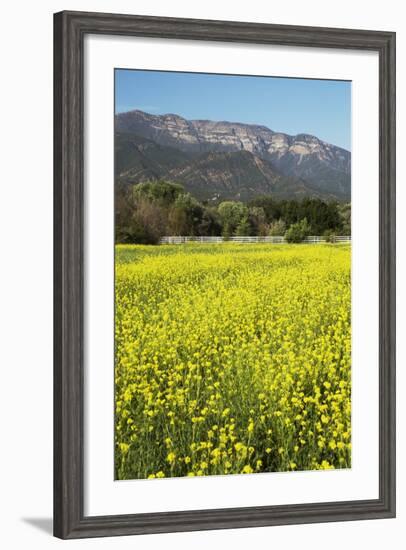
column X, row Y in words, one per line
column 273, row 240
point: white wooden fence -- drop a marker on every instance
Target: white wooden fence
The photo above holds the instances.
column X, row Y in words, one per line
column 273, row 240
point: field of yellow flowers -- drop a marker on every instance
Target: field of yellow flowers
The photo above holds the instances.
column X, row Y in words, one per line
column 232, row 358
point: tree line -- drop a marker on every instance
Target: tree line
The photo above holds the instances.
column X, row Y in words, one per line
column 147, row 211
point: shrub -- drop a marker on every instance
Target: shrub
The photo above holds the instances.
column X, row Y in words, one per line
column 330, row 236
column 297, row 232
column 278, row 228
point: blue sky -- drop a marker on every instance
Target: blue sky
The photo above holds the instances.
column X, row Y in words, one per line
column 290, row 105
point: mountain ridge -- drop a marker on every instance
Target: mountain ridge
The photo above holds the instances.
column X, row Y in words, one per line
column 321, row 169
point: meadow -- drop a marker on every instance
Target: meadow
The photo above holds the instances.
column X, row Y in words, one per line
column 232, row 358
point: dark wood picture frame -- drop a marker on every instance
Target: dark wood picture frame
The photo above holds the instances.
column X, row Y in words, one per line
column 69, row 31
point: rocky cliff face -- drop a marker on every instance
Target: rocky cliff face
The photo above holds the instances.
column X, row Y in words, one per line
column 325, row 167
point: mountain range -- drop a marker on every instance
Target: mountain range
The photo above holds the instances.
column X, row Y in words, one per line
column 228, row 160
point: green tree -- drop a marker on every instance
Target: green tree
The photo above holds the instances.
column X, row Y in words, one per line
column 270, row 206
column 162, row 192
column 297, row 232
column 177, row 221
column 243, row 229
column 185, row 215
column 123, row 211
column 138, row 219
column 210, row 223
column 257, row 221
column 345, row 217
column 277, row 228
column 231, row 213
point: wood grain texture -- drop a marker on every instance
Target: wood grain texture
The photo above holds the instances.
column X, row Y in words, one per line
column 69, row 31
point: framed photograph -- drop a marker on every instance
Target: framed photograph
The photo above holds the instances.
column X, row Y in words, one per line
column 224, row 275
